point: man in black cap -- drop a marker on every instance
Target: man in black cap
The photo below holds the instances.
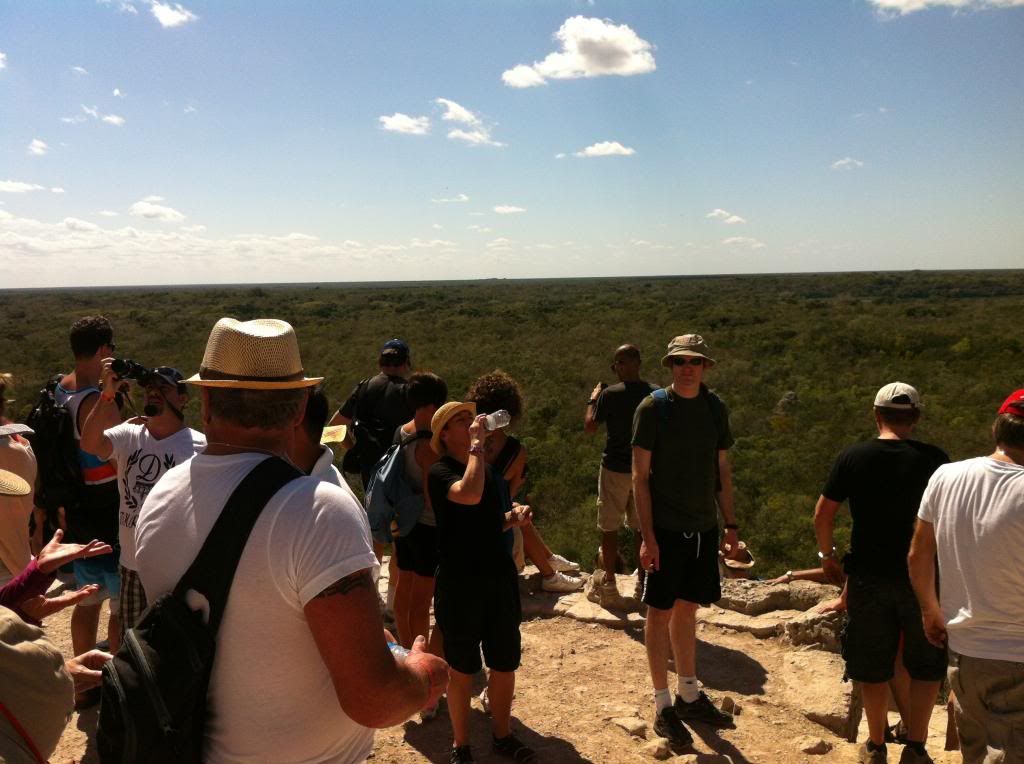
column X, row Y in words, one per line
column 144, row 449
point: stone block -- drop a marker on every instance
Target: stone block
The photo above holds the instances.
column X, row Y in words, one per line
column 812, row 684
column 814, row 628
column 762, row 626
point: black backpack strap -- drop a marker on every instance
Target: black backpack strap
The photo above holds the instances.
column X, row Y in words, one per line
column 213, row 570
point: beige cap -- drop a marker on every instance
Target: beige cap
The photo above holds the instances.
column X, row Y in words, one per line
column 898, row 395
column 441, row 417
column 13, row 485
column 688, row 345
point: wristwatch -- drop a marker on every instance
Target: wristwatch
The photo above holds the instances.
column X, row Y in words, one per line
column 827, row 555
column 789, row 576
column 592, row 402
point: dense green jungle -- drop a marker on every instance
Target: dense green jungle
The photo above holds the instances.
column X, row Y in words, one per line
column 799, row 360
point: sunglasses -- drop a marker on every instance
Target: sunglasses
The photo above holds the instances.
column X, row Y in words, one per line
column 687, row 361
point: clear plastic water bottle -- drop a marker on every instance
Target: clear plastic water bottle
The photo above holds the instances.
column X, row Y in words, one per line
column 497, row 420
column 397, row 650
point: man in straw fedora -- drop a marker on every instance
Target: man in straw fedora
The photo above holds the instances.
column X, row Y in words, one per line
column 682, row 479
column 302, row 670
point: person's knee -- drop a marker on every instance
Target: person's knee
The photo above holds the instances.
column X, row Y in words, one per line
column 685, row 610
column 656, row 617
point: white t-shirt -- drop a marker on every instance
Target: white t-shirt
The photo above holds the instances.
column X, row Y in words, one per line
column 977, row 508
column 141, row 460
column 271, row 696
column 324, row 469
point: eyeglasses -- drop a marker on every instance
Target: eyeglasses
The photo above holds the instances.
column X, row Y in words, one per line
column 687, row 361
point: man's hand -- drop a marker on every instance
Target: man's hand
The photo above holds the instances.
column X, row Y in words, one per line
column 650, row 555
column 85, row 669
column 833, row 571
column 108, row 377
column 838, row 605
column 431, row 669
column 521, row 515
column 56, row 554
column 730, row 545
column 934, row 627
column 478, row 433
column 41, row 606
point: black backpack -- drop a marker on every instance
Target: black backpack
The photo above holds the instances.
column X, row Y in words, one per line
column 153, row 706
column 59, row 476
column 372, row 441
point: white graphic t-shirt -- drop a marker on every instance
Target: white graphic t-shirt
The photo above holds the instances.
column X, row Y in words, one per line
column 141, row 461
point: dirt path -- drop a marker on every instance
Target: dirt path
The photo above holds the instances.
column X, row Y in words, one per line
column 575, row 678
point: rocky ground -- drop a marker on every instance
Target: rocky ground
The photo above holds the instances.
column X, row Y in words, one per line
column 583, row 693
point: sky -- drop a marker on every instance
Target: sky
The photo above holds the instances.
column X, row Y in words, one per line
column 219, row 141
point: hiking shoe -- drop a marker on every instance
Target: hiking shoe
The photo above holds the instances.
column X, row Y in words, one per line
column 513, row 748
column 866, row 755
column 462, row 754
column 897, row 733
column 562, row 565
column 910, row 756
column 559, row 582
column 667, row 725
column 702, row 710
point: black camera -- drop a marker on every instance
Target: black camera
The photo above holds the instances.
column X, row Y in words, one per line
column 126, row 368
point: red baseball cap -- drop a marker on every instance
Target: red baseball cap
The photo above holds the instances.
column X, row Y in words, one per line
column 1014, row 404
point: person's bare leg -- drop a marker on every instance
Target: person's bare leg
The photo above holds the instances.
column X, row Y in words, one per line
column 535, row 548
column 610, row 553
column 419, row 605
column 899, row 685
column 404, row 588
column 876, row 709
column 683, row 633
column 922, row 701
column 113, row 632
column 460, row 686
column 656, row 640
column 85, row 622
column 501, row 686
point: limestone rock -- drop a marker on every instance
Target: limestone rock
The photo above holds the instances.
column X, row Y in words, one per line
column 658, row 748
column 757, row 597
column 803, row 595
column 812, row 683
column 763, row 626
column 814, row 628
column 814, row 746
column 730, row 706
column 634, row 726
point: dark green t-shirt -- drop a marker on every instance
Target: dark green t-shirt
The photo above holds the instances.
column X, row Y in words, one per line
column 684, row 458
column 615, row 408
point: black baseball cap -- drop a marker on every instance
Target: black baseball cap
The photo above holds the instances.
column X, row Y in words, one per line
column 395, row 352
column 167, row 375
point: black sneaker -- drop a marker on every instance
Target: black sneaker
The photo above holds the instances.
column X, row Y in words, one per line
column 667, row 725
column 702, row 710
column 462, row 754
column 513, row 748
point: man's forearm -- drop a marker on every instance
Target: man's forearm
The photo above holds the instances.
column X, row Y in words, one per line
column 642, row 499
column 823, row 532
column 401, row 693
column 103, row 416
column 921, row 566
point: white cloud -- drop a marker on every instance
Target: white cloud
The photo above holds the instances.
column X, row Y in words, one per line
column 171, row 15
column 57, row 190
column 190, row 109
column 500, row 243
column 560, row 155
column 37, row 147
column 437, row 226
column 149, row 209
column 479, row 136
column 74, row 224
column 430, row 244
column 113, row 119
column 725, row 216
column 124, row 6
column 17, row 187
column 403, row 123
column 479, row 228
column 589, row 47
column 117, row 93
column 3, row 60
column 606, row 149
column 193, row 228
column 79, row 70
column 743, row 241
column 108, row 213
column 508, row 209
column 454, row 112
column 92, row 111
column 903, row 7
column 75, row 120
column 458, row 198
column 849, row 163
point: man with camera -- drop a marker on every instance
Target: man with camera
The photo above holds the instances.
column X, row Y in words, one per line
column 144, row 448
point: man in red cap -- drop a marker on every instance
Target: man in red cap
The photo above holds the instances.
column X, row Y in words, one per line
column 972, row 520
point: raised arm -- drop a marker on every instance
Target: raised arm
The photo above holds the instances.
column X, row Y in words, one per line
column 470, row 489
column 99, row 413
column 590, row 423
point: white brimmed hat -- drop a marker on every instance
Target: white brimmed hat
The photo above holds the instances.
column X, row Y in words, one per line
column 262, row 354
column 898, row 395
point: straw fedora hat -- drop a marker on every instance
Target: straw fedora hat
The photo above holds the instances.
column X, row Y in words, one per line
column 334, row 434
column 13, row 485
column 262, row 354
column 441, row 417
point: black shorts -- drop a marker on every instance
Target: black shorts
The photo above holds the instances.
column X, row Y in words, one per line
column 478, row 611
column 417, row 552
column 687, row 569
column 879, row 612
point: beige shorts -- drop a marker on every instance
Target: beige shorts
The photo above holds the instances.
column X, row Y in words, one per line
column 518, row 549
column 615, row 506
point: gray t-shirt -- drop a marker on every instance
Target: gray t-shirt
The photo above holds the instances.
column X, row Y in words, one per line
column 615, row 408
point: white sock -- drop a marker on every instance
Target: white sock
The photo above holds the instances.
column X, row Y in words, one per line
column 662, row 699
column 688, row 689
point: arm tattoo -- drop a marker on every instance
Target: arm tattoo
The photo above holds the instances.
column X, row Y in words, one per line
column 361, row 579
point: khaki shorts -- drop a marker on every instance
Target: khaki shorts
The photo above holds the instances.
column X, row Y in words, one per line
column 989, row 709
column 518, row 549
column 615, row 506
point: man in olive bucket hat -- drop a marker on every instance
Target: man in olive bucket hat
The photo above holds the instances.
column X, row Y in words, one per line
column 682, row 479
column 301, row 645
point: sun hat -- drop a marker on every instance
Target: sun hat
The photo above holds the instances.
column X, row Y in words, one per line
column 692, row 345
column 395, row 352
column 1014, row 404
column 262, row 354
column 441, row 417
column 335, row 434
column 898, row 395
column 13, row 485
column 15, row 429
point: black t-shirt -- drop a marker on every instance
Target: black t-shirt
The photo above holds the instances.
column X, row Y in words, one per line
column 884, row 481
column 615, row 408
column 470, row 536
column 376, row 409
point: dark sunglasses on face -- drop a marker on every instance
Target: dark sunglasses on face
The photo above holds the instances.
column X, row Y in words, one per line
column 687, row 361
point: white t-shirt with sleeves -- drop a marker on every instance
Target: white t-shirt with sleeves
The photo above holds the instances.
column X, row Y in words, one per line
column 977, row 509
column 141, row 461
column 271, row 695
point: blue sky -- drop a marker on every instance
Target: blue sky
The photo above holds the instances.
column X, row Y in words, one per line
column 149, row 142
